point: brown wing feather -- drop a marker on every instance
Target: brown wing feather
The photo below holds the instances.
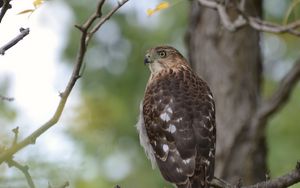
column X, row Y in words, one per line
column 179, row 119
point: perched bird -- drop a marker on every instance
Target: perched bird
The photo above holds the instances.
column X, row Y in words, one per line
column 177, row 120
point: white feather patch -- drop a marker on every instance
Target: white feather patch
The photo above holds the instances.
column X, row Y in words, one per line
column 169, row 109
column 165, row 148
column 178, row 120
column 179, row 170
column 187, row 161
column 171, row 128
column 144, row 140
column 165, row 117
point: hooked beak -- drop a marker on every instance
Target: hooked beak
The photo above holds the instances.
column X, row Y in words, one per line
column 147, row 59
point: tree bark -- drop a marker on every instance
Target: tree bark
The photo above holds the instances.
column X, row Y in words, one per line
column 231, row 63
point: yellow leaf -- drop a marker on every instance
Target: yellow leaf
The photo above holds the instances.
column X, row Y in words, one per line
column 160, row 6
column 26, row 11
column 150, row 12
column 37, row 3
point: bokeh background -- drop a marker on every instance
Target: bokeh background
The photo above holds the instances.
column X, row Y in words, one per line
column 95, row 144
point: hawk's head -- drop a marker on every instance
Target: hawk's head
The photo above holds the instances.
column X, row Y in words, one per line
column 163, row 57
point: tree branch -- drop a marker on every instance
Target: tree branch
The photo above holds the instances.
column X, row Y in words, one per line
column 6, row 5
column 23, row 169
column 286, row 180
column 23, row 33
column 104, row 19
column 8, row 153
column 243, row 19
column 4, row 98
column 282, row 94
column 16, row 135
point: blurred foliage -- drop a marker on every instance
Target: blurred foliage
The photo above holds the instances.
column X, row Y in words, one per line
column 7, row 113
column 280, row 52
column 283, row 129
column 292, row 11
column 284, row 139
column 282, row 134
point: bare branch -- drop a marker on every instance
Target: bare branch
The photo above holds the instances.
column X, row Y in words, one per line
column 286, row 180
column 23, row 169
column 261, row 25
column 6, row 5
column 23, row 33
column 105, row 18
column 16, row 133
column 8, row 153
column 282, row 94
column 244, row 19
column 4, row 98
column 96, row 14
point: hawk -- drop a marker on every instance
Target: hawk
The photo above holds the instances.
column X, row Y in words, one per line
column 177, row 120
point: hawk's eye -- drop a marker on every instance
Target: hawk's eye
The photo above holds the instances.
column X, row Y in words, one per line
column 162, row 54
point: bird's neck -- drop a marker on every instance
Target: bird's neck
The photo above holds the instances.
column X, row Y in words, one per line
column 164, row 71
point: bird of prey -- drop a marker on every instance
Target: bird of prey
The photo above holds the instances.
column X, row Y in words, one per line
column 177, row 120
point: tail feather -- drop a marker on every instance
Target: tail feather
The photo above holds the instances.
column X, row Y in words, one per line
column 185, row 185
column 197, row 182
column 194, row 182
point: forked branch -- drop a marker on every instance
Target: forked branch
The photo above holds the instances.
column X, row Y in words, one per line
column 243, row 19
column 5, row 6
column 278, row 99
column 24, row 169
column 283, row 92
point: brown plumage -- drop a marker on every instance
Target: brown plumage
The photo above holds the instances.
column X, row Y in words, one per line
column 177, row 120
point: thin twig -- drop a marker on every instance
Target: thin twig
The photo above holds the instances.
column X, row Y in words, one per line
column 282, row 94
column 243, row 19
column 6, row 5
column 4, row 98
column 8, row 153
column 16, row 135
column 104, row 19
column 278, row 99
column 14, row 41
column 23, row 169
